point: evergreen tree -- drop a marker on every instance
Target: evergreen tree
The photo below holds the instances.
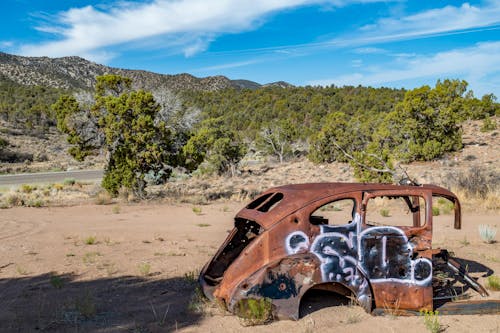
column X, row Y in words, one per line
column 123, row 122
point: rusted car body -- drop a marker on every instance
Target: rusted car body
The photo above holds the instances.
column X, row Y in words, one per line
column 280, row 248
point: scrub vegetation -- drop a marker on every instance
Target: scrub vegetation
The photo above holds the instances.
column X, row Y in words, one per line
column 147, row 135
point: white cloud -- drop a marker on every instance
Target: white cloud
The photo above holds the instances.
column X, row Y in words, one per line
column 89, row 29
column 439, row 21
column 479, row 65
column 6, row 44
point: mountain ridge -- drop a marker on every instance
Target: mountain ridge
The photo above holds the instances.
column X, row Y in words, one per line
column 76, row 73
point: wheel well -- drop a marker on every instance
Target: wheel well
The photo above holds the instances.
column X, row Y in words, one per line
column 324, row 295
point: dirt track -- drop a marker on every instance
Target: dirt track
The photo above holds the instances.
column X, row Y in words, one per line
column 137, row 276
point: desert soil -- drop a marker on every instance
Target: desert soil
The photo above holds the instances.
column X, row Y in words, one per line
column 132, row 268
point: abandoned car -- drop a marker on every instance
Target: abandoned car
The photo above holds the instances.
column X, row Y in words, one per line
column 329, row 236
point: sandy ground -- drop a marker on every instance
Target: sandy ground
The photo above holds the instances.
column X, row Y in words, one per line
column 131, row 268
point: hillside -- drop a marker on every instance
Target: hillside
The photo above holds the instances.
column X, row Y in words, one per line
column 74, row 73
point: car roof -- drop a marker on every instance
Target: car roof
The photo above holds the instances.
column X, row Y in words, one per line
column 297, row 196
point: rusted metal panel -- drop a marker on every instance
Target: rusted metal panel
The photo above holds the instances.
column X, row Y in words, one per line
column 389, row 295
column 278, row 250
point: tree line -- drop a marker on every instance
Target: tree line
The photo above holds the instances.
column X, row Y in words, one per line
column 148, row 134
column 27, row 107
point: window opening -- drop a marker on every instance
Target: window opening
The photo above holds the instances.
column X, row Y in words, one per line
column 338, row 212
column 402, row 211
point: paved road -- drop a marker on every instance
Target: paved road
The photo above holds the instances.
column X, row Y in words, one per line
column 50, row 177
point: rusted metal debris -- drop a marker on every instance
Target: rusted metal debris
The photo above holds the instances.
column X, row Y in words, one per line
column 280, row 248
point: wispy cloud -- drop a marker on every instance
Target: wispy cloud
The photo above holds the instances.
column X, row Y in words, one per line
column 369, row 50
column 6, row 44
column 479, row 65
column 227, row 65
column 448, row 20
column 90, row 29
column 434, row 22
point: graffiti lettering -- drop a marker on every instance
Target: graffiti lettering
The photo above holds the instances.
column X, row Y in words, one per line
column 379, row 253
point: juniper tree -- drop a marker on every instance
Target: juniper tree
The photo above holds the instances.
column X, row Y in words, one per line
column 125, row 124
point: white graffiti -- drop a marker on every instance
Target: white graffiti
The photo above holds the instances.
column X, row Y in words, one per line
column 344, row 250
column 297, row 242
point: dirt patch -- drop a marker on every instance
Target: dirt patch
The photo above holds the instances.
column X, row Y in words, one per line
column 132, row 268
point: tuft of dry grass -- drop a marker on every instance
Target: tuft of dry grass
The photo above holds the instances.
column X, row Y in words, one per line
column 21, row 270
column 474, row 203
column 493, row 283
column 385, row 212
column 85, row 305
column 464, row 241
column 145, row 268
column 90, row 240
column 197, row 210
column 90, row 257
column 14, row 200
column 103, row 198
column 353, row 318
column 191, row 277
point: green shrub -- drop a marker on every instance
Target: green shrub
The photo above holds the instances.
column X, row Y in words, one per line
column 214, row 147
column 431, row 321
column 69, row 181
column 3, row 143
column 385, row 212
column 435, row 211
column 254, row 311
column 37, row 203
column 56, row 281
column 25, row 188
column 445, row 206
column 488, row 125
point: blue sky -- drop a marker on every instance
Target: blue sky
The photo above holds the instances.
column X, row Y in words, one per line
column 304, row 42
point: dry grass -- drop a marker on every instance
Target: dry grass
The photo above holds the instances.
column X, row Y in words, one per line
column 144, row 268
column 103, row 198
column 493, row 283
column 477, row 187
column 470, row 202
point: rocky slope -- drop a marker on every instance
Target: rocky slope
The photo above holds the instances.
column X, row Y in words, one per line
column 76, row 73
